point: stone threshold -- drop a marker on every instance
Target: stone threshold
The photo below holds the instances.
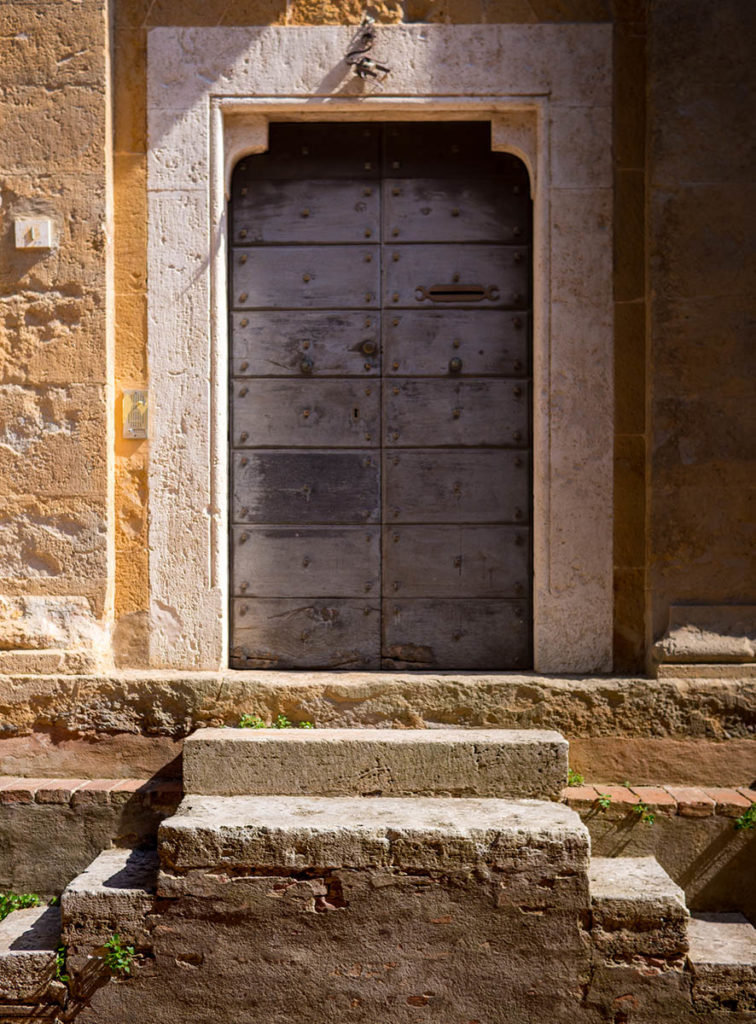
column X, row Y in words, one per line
column 685, row 801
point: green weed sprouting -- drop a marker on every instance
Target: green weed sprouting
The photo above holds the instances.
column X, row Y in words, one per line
column 118, row 958
column 17, row 901
column 604, row 801
column 60, row 965
column 747, row 819
column 281, row 722
column 644, row 812
column 574, row 778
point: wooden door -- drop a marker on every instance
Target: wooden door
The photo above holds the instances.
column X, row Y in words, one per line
column 380, row 400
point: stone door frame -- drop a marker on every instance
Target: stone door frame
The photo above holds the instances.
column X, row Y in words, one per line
column 547, row 91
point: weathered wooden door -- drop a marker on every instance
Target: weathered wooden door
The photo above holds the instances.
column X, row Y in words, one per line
column 380, row 400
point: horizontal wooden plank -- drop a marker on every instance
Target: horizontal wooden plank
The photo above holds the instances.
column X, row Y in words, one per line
column 453, row 486
column 305, row 413
column 413, row 273
column 305, row 343
column 466, row 413
column 454, row 210
column 306, row 487
column 315, row 150
column 302, row 276
column 449, row 149
column 455, row 634
column 302, row 633
column 488, row 342
column 456, row 561
column 307, row 211
column 312, row 561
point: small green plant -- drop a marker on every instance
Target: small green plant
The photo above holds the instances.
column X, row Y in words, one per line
column 118, row 958
column 644, row 812
column 574, row 778
column 747, row 819
column 281, row 722
column 60, row 965
column 17, row 901
column 604, row 801
column 251, row 722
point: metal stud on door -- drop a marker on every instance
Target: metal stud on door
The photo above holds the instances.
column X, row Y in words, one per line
column 380, row 294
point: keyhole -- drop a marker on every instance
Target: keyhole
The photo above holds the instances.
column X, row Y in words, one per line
column 355, row 414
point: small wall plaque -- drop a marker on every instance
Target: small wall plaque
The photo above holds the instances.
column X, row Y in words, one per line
column 134, row 414
column 33, row 233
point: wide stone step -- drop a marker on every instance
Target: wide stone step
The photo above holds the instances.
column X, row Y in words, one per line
column 28, row 942
column 637, row 909
column 113, row 895
column 722, row 957
column 376, row 762
column 292, row 834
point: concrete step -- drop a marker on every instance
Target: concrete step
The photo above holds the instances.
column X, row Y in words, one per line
column 543, row 840
column 722, row 957
column 376, row 762
column 113, row 895
column 28, row 942
column 637, row 909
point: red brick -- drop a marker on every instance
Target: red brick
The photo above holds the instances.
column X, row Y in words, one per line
column 580, row 798
column 657, row 798
column 749, row 794
column 58, row 791
column 622, row 797
column 729, row 802
column 125, row 790
column 96, row 791
column 692, row 802
column 20, row 791
column 5, row 780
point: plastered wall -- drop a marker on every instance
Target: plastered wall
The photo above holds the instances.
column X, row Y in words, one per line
column 681, row 222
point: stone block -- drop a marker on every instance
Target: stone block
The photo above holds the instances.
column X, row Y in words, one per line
column 729, row 802
column 53, row 539
column 38, row 623
column 28, row 940
column 51, row 48
column 709, row 633
column 723, row 960
column 388, row 762
column 298, row 833
column 52, row 443
column 54, row 128
column 114, row 894
column 637, row 909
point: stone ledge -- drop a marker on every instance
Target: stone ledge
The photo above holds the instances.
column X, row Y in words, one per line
column 722, row 957
column 425, row 834
column 376, row 762
column 80, row 792
column 686, row 801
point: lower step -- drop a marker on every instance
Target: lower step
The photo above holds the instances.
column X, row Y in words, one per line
column 113, row 895
column 28, row 942
column 722, row 958
column 637, row 909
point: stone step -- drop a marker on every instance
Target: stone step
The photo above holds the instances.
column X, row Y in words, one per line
column 637, row 909
column 722, row 958
column 113, row 895
column 376, row 762
column 536, row 840
column 28, row 942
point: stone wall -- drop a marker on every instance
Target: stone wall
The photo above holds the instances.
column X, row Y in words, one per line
column 682, row 214
column 55, row 363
